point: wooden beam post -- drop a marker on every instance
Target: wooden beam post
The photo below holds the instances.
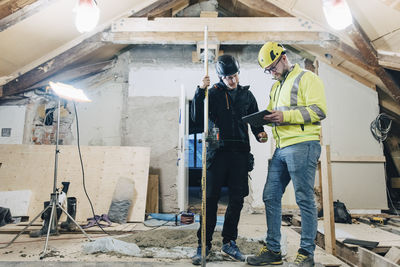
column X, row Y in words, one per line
column 327, row 200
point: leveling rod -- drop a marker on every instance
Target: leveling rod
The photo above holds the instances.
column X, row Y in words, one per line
column 204, row 157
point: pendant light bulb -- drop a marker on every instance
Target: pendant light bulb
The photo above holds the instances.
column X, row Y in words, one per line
column 337, row 13
column 87, row 15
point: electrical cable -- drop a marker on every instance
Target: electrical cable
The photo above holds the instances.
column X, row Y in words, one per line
column 83, row 171
column 380, row 127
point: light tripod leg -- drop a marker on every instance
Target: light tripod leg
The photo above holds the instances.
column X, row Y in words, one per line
column 69, row 216
column 26, row 227
column 51, row 223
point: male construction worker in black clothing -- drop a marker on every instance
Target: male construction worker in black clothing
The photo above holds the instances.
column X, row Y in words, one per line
column 227, row 162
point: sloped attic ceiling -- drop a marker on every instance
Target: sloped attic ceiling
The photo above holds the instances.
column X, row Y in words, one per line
column 38, row 38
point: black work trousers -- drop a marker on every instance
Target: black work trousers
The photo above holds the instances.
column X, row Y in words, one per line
column 229, row 167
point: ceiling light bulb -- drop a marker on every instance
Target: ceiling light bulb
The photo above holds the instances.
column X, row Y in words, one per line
column 337, row 13
column 87, row 15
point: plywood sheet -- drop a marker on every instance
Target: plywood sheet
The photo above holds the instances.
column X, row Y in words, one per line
column 152, row 194
column 27, row 167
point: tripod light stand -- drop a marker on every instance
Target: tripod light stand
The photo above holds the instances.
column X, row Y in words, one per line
column 69, row 93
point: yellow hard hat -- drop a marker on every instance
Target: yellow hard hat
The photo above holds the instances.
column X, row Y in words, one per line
column 269, row 53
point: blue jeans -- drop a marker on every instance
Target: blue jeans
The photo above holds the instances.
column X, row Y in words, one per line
column 297, row 162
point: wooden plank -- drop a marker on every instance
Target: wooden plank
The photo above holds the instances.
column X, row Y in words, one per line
column 366, row 159
column 157, row 7
column 389, row 59
column 152, row 194
column 393, row 255
column 28, row 167
column 266, row 7
column 327, row 200
column 254, row 24
column 370, row 259
column 321, row 257
column 250, row 8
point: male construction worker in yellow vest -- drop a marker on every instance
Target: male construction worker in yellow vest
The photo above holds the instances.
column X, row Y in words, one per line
column 297, row 104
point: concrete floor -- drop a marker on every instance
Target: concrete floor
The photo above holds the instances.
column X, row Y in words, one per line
column 66, row 249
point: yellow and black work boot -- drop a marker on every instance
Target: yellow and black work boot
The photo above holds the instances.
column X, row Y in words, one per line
column 303, row 259
column 265, row 257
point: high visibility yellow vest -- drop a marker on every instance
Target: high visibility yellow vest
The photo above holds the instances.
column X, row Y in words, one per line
column 301, row 98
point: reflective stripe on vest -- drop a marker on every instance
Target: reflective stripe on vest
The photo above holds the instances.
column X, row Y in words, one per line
column 293, row 102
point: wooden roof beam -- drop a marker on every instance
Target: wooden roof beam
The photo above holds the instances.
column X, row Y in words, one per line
column 159, row 7
column 265, row 7
column 225, row 24
column 13, row 11
column 251, row 8
column 246, row 30
column 224, row 38
column 347, row 52
column 52, row 66
column 362, row 42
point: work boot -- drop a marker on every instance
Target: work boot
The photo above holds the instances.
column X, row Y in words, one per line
column 303, row 259
column 231, row 250
column 69, row 225
column 265, row 257
column 46, row 217
column 196, row 260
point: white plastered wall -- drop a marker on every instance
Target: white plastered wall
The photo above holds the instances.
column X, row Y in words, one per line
column 12, row 117
column 351, row 108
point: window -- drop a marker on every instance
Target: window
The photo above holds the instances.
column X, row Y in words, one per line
column 195, row 150
column 5, row 132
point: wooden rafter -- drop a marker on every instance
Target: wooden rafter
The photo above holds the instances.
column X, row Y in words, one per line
column 52, row 66
column 8, row 7
column 266, row 7
column 57, row 63
column 159, row 7
column 13, row 11
column 254, row 24
column 251, row 8
column 362, row 42
column 221, row 30
column 343, row 50
column 224, row 38
column 77, row 73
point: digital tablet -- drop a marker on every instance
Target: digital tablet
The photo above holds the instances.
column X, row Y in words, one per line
column 257, row 119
